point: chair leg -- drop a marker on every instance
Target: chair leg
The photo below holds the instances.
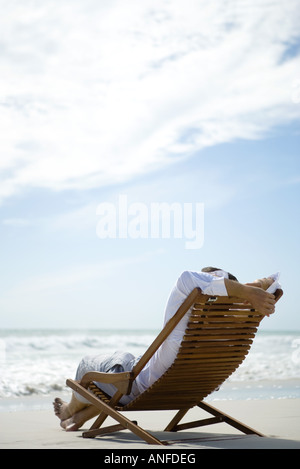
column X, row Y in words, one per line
column 104, row 431
column 106, row 409
column 172, row 426
column 231, row 421
column 219, row 417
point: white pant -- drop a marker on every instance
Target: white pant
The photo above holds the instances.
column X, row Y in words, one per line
column 100, row 363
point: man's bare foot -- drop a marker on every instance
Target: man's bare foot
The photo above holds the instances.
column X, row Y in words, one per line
column 70, row 425
column 73, row 415
column 61, row 409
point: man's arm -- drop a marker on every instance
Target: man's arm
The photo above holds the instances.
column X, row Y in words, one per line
column 259, row 299
column 263, row 283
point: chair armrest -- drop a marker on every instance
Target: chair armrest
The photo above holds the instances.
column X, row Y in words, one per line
column 122, row 381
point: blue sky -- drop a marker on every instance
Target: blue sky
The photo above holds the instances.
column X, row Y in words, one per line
column 162, row 104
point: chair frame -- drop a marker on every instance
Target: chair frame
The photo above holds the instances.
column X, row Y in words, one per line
column 218, row 337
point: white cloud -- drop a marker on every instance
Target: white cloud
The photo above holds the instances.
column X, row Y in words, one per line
column 94, row 93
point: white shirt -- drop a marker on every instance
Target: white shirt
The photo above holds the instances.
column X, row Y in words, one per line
column 210, row 284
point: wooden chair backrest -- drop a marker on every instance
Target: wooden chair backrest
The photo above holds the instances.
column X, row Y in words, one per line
column 218, row 337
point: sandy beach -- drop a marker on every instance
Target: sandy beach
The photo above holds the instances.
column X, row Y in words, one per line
column 35, row 426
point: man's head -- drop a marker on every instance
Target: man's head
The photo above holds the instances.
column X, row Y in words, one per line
column 211, row 270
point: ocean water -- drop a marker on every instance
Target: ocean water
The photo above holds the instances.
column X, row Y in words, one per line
column 37, row 362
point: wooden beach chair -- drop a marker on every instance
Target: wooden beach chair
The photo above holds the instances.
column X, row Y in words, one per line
column 217, row 339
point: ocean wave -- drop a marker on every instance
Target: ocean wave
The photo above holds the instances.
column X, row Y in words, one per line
column 15, row 344
column 34, row 363
column 38, row 363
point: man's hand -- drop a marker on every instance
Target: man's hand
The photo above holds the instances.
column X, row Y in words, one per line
column 259, row 299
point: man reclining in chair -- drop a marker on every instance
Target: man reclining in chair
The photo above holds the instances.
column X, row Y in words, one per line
column 212, row 281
